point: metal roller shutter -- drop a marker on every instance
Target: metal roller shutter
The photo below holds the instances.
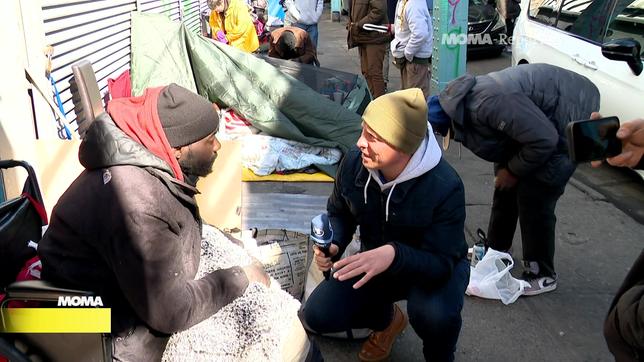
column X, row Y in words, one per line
column 191, row 11
column 172, row 9
column 99, row 31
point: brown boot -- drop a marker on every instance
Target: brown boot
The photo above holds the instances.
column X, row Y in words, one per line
column 378, row 345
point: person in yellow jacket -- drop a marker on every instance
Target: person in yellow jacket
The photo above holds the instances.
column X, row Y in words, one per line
column 231, row 23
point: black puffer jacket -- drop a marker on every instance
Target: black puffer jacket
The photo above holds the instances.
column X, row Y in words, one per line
column 624, row 325
column 426, row 217
column 128, row 231
column 517, row 117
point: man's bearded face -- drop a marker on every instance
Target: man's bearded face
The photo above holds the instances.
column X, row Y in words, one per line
column 199, row 157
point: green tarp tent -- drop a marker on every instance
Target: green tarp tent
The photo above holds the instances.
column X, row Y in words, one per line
column 164, row 51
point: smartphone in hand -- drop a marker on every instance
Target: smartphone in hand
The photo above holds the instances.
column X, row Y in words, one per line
column 593, row 139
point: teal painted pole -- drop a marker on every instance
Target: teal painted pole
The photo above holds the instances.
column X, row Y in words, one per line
column 335, row 10
column 450, row 42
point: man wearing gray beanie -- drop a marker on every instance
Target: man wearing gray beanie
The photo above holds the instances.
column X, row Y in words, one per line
column 128, row 228
column 187, row 119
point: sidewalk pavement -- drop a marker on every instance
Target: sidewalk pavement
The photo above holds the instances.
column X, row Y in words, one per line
column 596, row 245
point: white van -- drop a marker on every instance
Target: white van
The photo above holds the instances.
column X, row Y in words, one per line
column 600, row 39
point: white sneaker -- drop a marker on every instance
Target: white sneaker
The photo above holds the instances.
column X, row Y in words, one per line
column 538, row 284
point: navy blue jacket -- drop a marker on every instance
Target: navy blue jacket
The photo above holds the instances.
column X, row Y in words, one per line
column 425, row 223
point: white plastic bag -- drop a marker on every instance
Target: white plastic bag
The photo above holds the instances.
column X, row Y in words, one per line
column 491, row 278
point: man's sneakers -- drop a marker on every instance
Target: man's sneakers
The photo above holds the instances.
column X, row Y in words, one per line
column 538, row 283
column 378, row 346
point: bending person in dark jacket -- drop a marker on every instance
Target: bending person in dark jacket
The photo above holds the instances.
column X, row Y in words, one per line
column 292, row 43
column 409, row 204
column 516, row 118
column 128, row 227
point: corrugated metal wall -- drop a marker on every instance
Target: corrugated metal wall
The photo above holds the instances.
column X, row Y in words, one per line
column 99, row 31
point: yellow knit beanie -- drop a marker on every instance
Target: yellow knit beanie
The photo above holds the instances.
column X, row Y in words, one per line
column 400, row 118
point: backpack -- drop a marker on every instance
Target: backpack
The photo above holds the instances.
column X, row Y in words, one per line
column 21, row 222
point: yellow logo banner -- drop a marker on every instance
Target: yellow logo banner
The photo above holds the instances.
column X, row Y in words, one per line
column 55, row 320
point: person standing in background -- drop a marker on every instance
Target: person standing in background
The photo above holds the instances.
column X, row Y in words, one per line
column 231, row 23
column 509, row 10
column 391, row 14
column 372, row 45
column 304, row 14
column 412, row 44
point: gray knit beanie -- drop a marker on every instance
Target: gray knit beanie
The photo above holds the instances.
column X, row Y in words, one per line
column 186, row 117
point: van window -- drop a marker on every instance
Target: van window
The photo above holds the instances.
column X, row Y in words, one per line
column 627, row 21
column 544, row 11
column 585, row 18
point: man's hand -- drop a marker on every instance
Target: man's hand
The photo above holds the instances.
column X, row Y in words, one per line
column 504, row 179
column 324, row 262
column 255, row 273
column 370, row 263
column 632, row 136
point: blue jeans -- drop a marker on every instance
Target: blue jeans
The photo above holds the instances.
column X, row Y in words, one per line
column 312, row 29
column 434, row 311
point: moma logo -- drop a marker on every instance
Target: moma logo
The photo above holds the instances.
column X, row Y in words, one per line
column 77, row 301
column 474, row 39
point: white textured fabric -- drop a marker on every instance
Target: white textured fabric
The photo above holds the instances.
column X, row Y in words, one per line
column 254, row 327
column 265, row 154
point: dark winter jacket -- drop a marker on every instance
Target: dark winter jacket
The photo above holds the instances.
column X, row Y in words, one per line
column 131, row 233
column 367, row 12
column 624, row 325
column 517, row 117
column 423, row 218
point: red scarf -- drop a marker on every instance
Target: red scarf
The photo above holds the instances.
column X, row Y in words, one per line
column 139, row 119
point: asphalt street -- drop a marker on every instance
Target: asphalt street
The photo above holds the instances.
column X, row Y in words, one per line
column 599, row 234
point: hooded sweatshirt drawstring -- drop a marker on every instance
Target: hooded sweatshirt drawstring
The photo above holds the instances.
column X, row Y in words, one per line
column 426, row 157
column 365, row 188
column 391, row 191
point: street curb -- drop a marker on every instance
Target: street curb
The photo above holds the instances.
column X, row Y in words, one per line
column 592, row 193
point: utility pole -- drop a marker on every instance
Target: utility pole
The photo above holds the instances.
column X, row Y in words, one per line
column 335, row 10
column 450, row 42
